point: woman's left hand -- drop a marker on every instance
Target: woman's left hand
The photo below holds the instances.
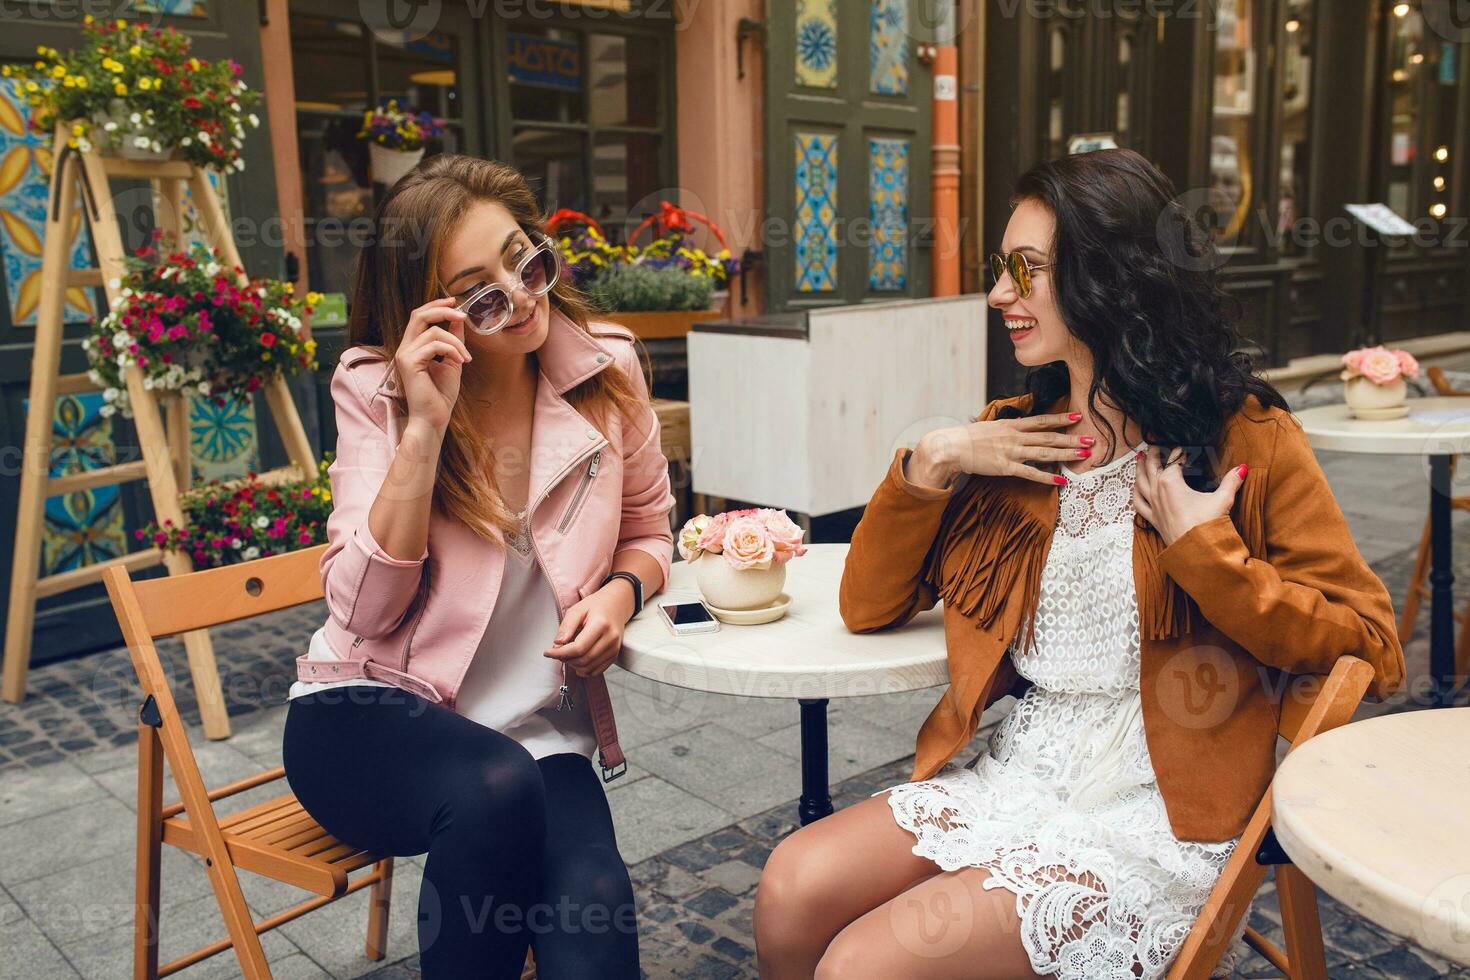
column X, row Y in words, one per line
column 1171, row 505
column 591, row 633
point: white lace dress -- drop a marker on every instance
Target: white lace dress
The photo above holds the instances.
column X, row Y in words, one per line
column 1063, row 808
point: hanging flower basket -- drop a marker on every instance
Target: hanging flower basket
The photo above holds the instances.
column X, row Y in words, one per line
column 136, row 92
column 397, row 138
column 192, row 325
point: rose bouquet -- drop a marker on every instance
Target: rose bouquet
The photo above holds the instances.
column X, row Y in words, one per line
column 1373, row 381
column 1380, row 365
column 759, row 537
column 740, row 560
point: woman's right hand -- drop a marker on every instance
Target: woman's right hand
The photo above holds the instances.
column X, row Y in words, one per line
column 431, row 385
column 1001, row 447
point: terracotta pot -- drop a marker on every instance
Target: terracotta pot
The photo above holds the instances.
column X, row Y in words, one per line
column 1366, row 400
column 728, row 587
column 389, row 165
column 657, row 325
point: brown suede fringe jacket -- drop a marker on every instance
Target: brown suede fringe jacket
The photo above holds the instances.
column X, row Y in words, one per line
column 1226, row 613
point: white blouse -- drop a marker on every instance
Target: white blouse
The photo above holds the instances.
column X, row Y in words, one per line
column 510, row 685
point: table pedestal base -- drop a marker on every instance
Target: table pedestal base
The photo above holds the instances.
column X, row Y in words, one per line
column 816, row 800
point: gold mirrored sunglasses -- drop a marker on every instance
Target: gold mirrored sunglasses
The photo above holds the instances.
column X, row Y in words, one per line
column 1020, row 268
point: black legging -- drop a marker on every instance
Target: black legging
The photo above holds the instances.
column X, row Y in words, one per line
column 520, row 849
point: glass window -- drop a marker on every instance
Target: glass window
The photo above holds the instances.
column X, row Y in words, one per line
column 624, row 81
column 545, row 75
column 554, row 161
column 1124, row 124
column 421, row 73
column 1056, row 116
column 1233, row 121
column 329, row 60
column 1296, row 116
column 1406, row 62
column 625, row 175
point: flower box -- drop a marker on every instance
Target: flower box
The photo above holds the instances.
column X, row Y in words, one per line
column 663, row 325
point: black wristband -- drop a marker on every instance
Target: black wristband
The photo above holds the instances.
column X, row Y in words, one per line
column 637, row 584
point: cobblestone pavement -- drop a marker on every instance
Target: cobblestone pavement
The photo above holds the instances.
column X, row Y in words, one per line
column 695, row 835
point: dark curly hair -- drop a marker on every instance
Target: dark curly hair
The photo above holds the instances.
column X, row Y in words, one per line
column 1134, row 281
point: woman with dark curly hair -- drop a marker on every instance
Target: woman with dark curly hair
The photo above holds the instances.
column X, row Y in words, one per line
column 1141, row 548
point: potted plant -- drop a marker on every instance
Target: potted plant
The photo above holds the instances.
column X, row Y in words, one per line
column 243, row 520
column 1373, row 381
column 740, row 559
column 193, row 325
column 396, row 139
column 658, row 290
column 135, row 91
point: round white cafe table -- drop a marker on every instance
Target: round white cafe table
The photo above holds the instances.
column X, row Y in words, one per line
column 1437, row 428
column 807, row 655
column 1376, row 814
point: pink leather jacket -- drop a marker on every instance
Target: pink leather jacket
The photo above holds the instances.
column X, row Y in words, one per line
column 416, row 624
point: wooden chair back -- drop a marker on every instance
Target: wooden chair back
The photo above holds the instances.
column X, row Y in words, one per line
column 1310, row 704
column 275, row 838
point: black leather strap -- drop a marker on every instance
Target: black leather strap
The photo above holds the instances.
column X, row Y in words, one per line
column 637, row 584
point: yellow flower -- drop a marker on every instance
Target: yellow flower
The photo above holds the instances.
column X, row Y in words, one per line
column 314, row 297
column 40, row 49
column 135, row 51
column 72, row 142
column 69, row 81
column 59, row 71
column 87, row 19
column 326, row 494
column 41, row 65
column 76, row 129
column 144, row 84
column 121, row 24
column 265, row 355
column 32, row 87
column 81, row 81
column 120, row 88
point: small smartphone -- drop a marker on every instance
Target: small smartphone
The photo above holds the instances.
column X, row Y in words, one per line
column 685, row 618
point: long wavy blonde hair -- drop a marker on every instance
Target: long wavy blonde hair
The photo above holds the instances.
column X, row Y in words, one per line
column 397, row 272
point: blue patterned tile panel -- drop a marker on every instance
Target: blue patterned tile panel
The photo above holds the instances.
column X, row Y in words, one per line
column 222, row 439
column 25, row 177
column 85, row 526
column 816, row 43
column 888, row 213
column 888, row 47
column 816, row 212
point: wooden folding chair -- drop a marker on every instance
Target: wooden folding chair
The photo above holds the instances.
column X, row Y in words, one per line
column 1418, row 589
column 1305, row 711
column 275, row 838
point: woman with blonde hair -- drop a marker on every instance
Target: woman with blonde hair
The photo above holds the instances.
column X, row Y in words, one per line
column 500, row 510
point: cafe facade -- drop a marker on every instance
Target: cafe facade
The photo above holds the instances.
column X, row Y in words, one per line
column 805, row 130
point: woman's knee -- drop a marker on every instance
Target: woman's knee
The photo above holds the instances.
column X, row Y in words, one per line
column 499, row 788
column 796, row 885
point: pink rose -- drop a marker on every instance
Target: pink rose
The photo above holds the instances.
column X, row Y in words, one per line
column 785, row 536
column 1407, row 363
column 1380, row 366
column 712, row 538
column 748, row 544
column 1353, row 360
column 689, row 536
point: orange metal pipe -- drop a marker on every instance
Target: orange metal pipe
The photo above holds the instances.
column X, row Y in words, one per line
column 945, row 172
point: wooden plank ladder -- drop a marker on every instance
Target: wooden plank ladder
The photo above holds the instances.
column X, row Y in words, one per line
column 165, row 461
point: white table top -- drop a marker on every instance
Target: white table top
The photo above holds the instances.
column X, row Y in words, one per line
column 1377, row 814
column 1433, row 427
column 808, row 653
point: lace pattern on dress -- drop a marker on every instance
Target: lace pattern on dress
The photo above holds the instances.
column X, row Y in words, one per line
column 1063, row 808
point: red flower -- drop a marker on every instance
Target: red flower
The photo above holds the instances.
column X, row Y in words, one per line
column 268, row 339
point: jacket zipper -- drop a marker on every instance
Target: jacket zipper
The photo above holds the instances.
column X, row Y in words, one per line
column 581, row 493
column 418, row 614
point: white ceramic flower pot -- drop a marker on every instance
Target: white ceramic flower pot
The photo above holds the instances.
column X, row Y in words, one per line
column 389, row 165
column 1367, row 400
column 727, row 587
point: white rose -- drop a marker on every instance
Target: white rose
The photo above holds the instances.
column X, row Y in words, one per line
column 251, row 553
column 121, row 339
column 262, row 521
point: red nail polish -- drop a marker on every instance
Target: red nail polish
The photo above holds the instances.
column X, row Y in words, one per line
column 1088, row 440
column 1061, row 480
column 1244, row 469
column 1140, row 454
column 1084, row 453
column 1075, row 416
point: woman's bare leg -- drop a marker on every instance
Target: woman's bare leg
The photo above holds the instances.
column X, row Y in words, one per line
column 826, row 875
column 946, row 926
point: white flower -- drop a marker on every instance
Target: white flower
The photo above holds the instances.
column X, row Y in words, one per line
column 122, row 360
column 147, row 382
column 236, row 543
column 142, row 142
column 122, row 339
column 106, row 410
column 262, row 521
column 204, row 387
column 114, row 283
column 203, row 137
column 250, row 553
column 212, row 269
column 135, row 118
column 186, row 141
column 254, row 119
column 84, row 144
column 110, row 126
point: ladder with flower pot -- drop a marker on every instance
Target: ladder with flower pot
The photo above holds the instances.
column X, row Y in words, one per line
column 161, row 420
